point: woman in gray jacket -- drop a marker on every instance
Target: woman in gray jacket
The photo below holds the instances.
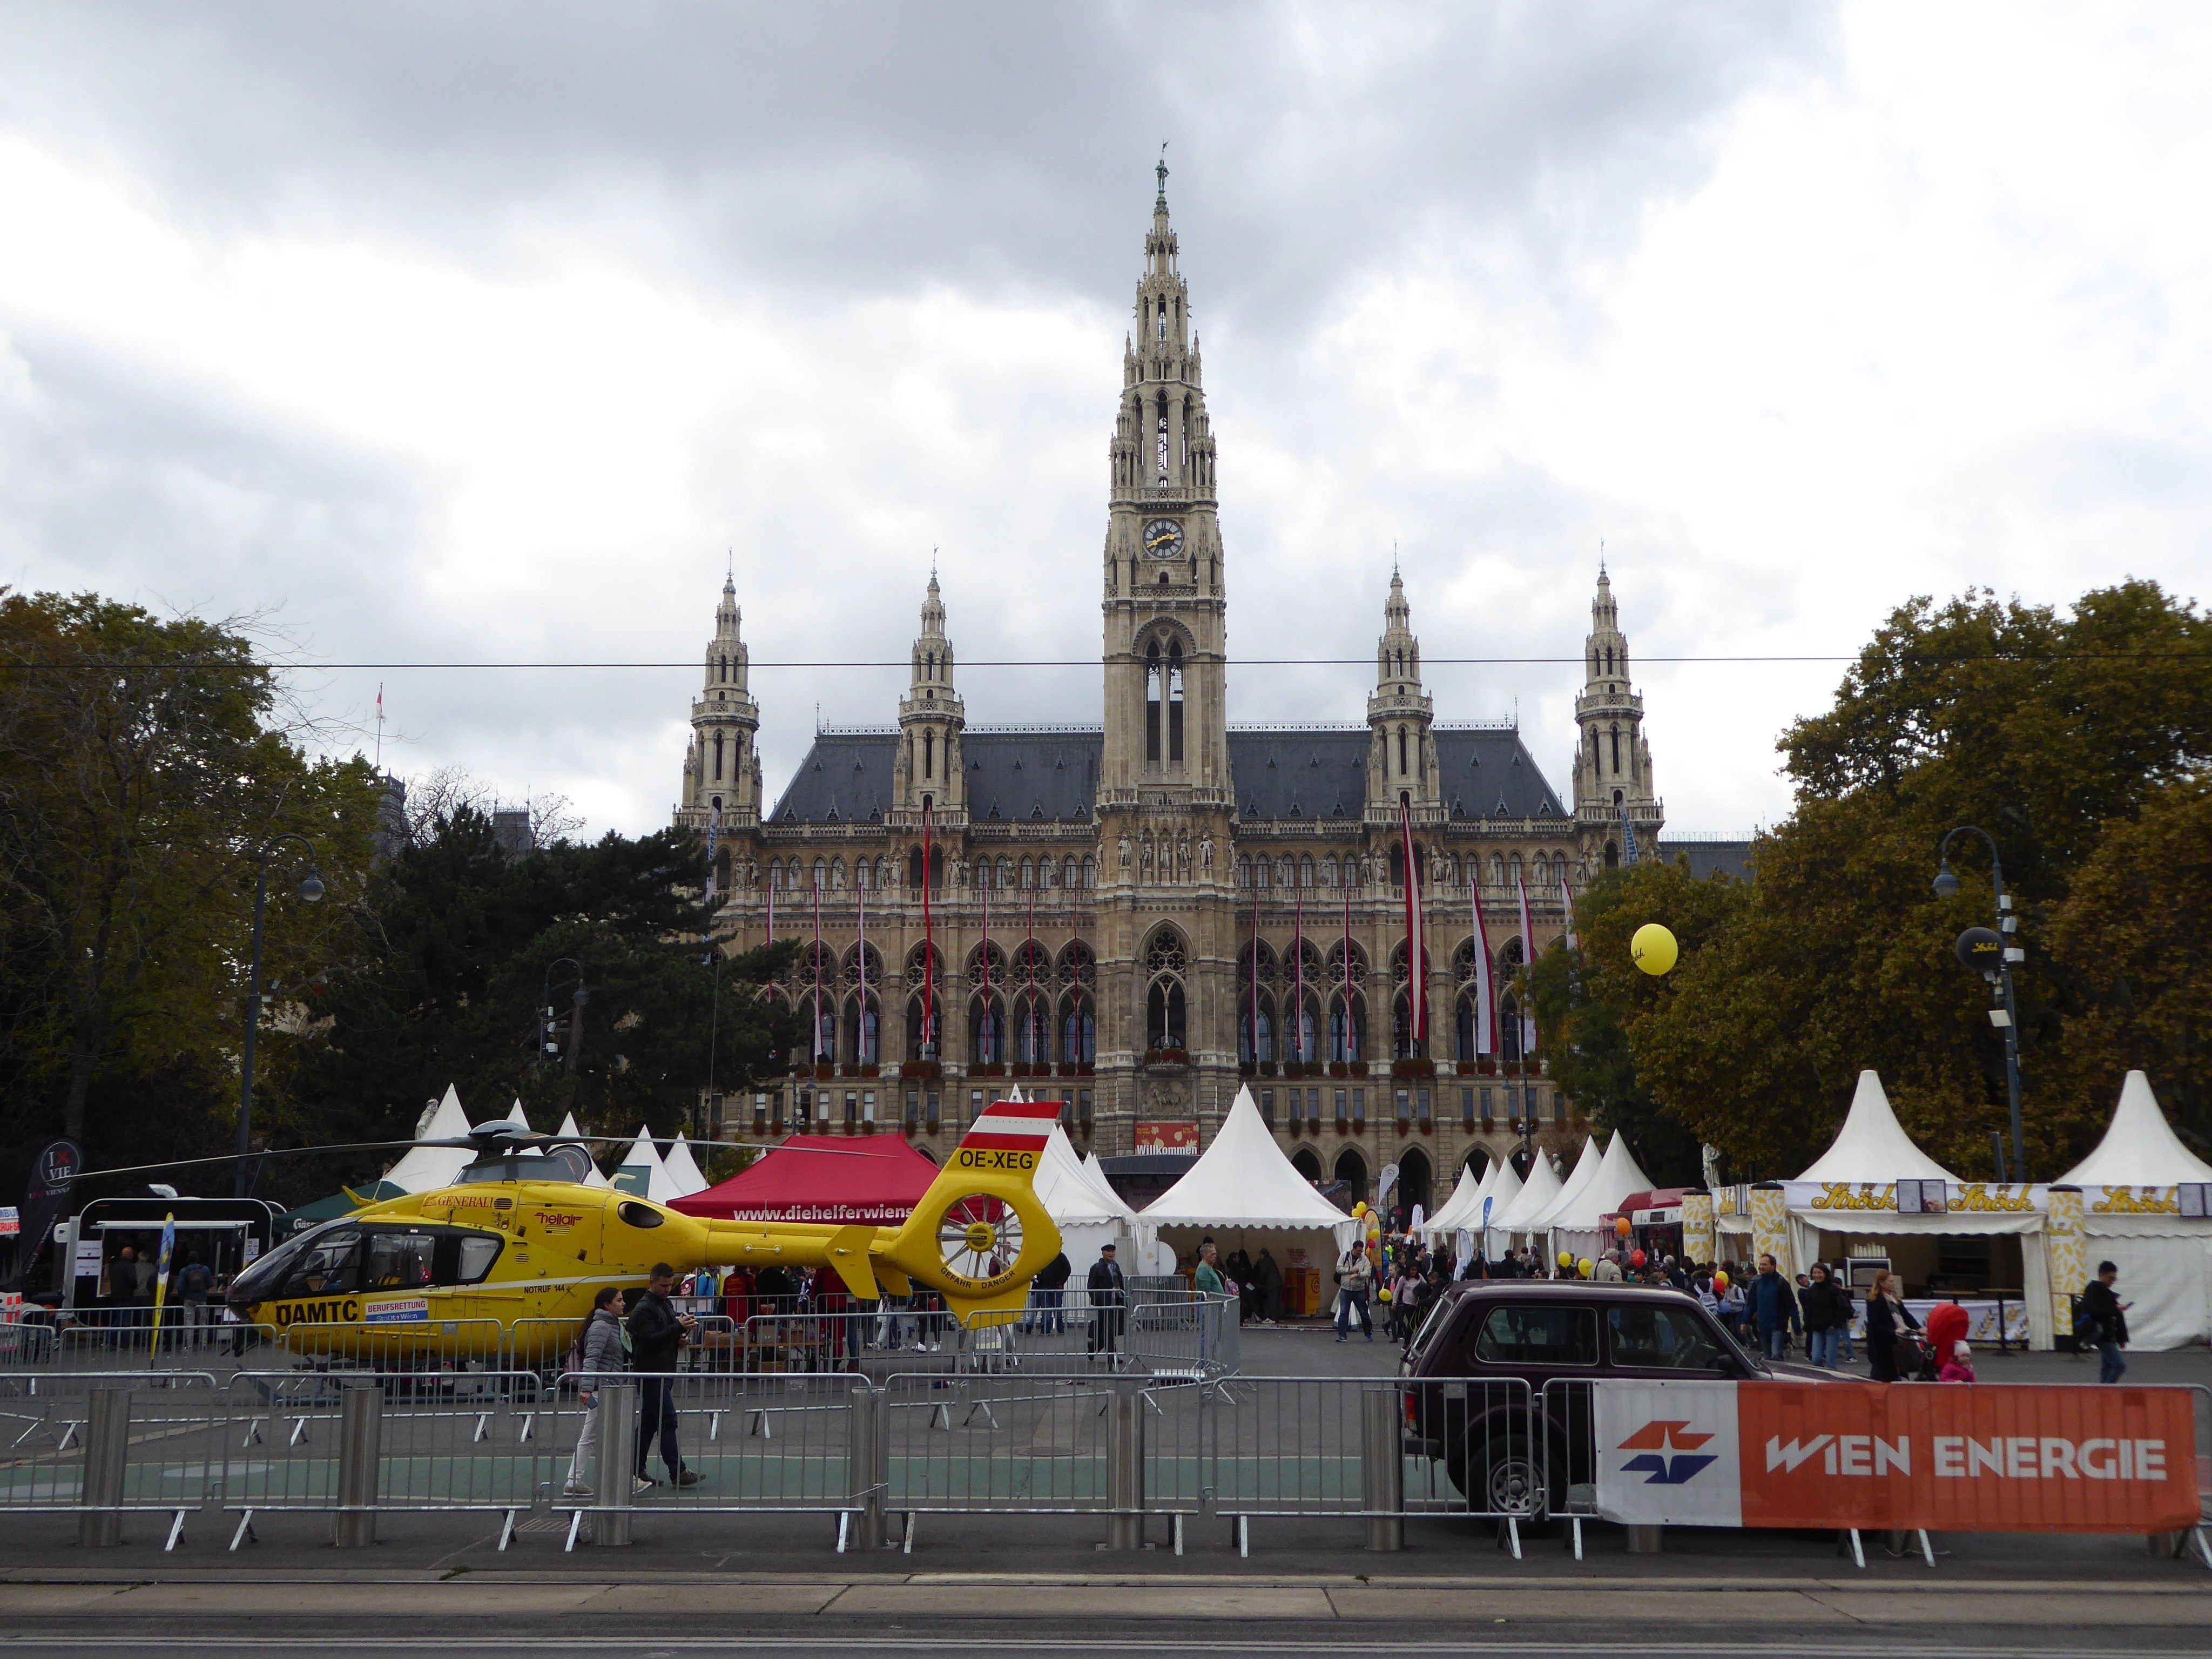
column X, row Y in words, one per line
column 605, row 1356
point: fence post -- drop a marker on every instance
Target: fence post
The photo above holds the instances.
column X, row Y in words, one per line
column 865, row 1466
column 107, row 1453
column 1124, row 1467
column 616, row 1456
column 361, row 1464
column 1381, row 1469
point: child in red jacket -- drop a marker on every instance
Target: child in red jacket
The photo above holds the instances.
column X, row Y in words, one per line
column 1959, row 1367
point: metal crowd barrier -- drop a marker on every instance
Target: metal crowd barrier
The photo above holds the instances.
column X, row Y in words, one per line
column 102, row 1445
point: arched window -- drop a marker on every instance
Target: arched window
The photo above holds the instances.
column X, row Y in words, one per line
column 1513, row 868
column 1078, row 1032
column 1616, row 751
column 1175, row 704
column 718, row 756
column 1029, row 875
column 1307, row 1163
column 1497, row 869
column 1303, row 1035
column 1401, row 752
column 928, row 752
column 1152, row 690
column 823, row 1018
column 986, row 1030
column 1244, row 870
column 1165, row 963
column 1253, row 1043
column 1305, row 873
column 862, row 1044
column 1351, row 1169
column 821, row 874
column 1071, row 873
column 1612, row 855
column 1090, row 871
column 1347, row 1026
column 1033, row 1028
column 1509, row 1031
column 922, row 1043
column 1329, row 871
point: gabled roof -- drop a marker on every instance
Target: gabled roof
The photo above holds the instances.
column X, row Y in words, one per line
column 1580, row 1177
column 1616, row 1177
column 1537, row 1194
column 1709, row 855
column 2140, row 1149
column 1872, row 1145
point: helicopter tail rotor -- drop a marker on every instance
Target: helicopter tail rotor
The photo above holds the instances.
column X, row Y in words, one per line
column 980, row 1234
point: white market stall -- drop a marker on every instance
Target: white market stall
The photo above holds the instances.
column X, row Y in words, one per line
column 1086, row 1220
column 1874, row 1195
column 1502, row 1186
column 1585, row 1169
column 683, row 1171
column 1581, row 1223
column 642, row 1171
column 1462, row 1209
column 1246, row 1194
column 2137, row 1213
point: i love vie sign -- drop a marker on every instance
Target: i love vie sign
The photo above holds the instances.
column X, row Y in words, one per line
column 1949, row 1457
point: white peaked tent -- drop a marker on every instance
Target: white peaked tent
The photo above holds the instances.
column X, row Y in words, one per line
column 1465, row 1199
column 1242, row 1184
column 1150, row 1256
column 1872, row 1145
column 1537, row 1194
column 514, row 1113
column 2131, row 1218
column 1585, row 1167
column 1086, row 1220
column 683, row 1172
column 426, row 1169
column 644, row 1155
column 1579, row 1224
column 1504, row 1188
column 568, row 1131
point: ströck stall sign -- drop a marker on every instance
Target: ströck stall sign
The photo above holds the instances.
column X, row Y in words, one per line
column 1949, row 1457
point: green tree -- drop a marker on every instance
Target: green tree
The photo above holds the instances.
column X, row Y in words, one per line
column 1591, row 1000
column 2049, row 731
column 144, row 764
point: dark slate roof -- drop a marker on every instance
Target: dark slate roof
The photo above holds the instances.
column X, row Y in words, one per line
column 1031, row 776
column 1300, row 775
column 1488, row 774
column 1053, row 775
column 1729, row 857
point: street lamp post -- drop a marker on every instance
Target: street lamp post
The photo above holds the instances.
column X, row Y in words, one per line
column 548, row 1039
column 1946, row 886
column 310, row 890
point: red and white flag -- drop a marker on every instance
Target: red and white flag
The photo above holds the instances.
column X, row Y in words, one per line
column 1486, row 987
column 816, row 1015
column 928, row 952
column 1529, row 959
column 1416, row 979
column 1297, row 1021
column 983, row 1031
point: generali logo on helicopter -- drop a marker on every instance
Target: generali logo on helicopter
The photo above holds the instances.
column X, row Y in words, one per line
column 1959, row 1458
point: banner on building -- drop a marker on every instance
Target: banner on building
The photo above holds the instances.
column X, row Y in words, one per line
column 1947, row 1457
column 1166, row 1135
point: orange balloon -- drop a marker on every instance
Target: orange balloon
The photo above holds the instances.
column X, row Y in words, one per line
column 1620, row 1225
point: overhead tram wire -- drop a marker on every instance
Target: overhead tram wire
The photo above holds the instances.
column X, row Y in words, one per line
column 1365, row 661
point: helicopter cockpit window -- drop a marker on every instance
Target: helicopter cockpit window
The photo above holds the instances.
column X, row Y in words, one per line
column 640, row 1215
column 329, row 1266
column 399, row 1262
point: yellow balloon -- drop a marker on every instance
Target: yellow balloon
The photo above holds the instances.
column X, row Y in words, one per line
column 1359, row 1209
column 1566, row 1258
column 1584, row 1267
column 1653, row 949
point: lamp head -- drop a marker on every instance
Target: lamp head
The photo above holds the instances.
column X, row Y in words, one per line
column 583, row 996
column 312, row 889
column 1946, row 884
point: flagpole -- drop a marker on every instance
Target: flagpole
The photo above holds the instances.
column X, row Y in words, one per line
column 985, row 1030
column 1485, row 1037
column 1256, row 970
column 1298, row 974
column 1528, row 967
column 1347, row 962
column 860, row 1019
column 817, row 971
column 928, row 946
column 1417, row 1001
column 1029, row 955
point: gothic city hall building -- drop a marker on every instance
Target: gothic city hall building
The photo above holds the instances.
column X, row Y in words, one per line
column 1139, row 917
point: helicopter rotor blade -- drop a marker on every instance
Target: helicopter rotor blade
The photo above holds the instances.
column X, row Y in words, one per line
column 273, row 1152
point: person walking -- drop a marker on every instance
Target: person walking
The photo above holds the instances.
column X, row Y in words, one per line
column 1886, row 1317
column 1824, row 1309
column 657, row 1333
column 1109, row 1296
column 2104, row 1321
column 1773, row 1304
column 1052, row 1281
column 1607, row 1271
column 1267, row 1275
column 1208, row 1279
column 603, row 1356
column 1355, row 1277
column 193, row 1286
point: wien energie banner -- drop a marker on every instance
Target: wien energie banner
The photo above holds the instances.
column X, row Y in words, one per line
column 1945, row 1457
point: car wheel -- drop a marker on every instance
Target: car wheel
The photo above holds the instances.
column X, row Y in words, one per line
column 1513, row 1482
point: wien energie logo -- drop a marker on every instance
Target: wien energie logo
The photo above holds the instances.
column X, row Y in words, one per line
column 1654, row 1441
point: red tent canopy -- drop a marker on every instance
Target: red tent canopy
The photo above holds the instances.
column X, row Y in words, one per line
column 840, row 1179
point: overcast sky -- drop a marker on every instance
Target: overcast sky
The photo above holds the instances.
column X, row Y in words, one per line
column 488, row 333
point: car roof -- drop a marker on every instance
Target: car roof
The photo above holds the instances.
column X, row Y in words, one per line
column 1576, row 1290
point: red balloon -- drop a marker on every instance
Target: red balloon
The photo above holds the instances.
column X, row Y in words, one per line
column 1636, row 1258
column 1620, row 1225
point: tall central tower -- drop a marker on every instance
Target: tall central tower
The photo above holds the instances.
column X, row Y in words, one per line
column 1166, row 905
column 1166, row 726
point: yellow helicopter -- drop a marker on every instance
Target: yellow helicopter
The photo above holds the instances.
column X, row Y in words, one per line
column 512, row 1242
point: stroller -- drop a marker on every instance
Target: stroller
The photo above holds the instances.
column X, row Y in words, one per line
column 1915, row 1357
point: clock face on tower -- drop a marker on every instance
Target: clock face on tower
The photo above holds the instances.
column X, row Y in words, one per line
column 1163, row 538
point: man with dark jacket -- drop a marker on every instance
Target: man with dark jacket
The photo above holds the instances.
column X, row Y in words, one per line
column 1773, row 1310
column 1109, row 1289
column 1052, row 1293
column 2104, row 1321
column 656, row 1331
column 1268, row 1278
